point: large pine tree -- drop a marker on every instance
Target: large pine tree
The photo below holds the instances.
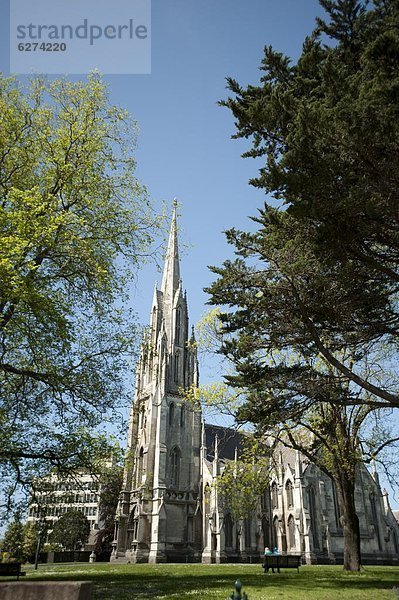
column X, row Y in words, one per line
column 327, row 128
column 312, row 297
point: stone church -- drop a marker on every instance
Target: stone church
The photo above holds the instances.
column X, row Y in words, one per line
column 169, row 509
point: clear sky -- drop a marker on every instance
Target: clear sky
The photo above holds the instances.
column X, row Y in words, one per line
column 184, row 147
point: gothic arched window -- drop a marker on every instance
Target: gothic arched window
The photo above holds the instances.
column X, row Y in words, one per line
column 154, row 323
column 266, row 532
column 291, row 532
column 274, row 495
column 275, row 532
column 290, row 493
column 171, row 414
column 313, row 517
column 175, row 466
column 247, row 531
column 263, row 500
column 176, row 368
column 140, row 467
column 182, row 415
column 178, row 326
column 228, row 531
column 142, row 412
column 133, row 527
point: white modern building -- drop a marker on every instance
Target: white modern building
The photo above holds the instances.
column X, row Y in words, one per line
column 56, row 495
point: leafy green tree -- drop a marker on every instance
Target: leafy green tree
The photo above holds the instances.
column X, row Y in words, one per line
column 313, row 412
column 333, row 437
column 71, row 530
column 30, row 540
column 327, row 130
column 244, row 480
column 13, row 539
column 52, row 547
column 111, row 485
column 314, row 290
column 312, row 296
column 75, row 225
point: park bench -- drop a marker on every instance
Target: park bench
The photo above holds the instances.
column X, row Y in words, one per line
column 281, row 561
column 11, row 569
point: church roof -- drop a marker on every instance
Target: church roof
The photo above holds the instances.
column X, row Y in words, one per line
column 228, row 441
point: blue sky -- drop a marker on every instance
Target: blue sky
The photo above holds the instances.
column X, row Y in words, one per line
column 184, row 146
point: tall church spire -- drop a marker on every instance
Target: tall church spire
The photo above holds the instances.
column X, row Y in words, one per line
column 171, row 272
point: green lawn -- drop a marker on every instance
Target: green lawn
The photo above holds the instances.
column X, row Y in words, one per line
column 181, row 582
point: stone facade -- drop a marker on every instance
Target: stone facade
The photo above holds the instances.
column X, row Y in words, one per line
column 170, row 509
column 305, row 515
column 160, row 510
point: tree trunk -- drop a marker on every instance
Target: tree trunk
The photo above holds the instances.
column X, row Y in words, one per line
column 350, row 523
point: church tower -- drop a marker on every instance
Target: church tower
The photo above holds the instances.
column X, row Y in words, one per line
column 159, row 514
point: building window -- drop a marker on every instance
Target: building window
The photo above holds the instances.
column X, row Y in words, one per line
column 171, row 414
column 263, row 500
column 266, row 532
column 289, row 492
column 275, row 532
column 175, row 466
column 176, row 368
column 142, row 410
column 154, row 323
column 247, row 532
column 133, row 526
column 182, row 411
column 228, row 531
column 140, row 467
column 178, row 327
column 291, row 531
column 274, row 495
column 313, row 517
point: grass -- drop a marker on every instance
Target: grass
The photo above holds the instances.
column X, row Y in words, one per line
column 216, row 582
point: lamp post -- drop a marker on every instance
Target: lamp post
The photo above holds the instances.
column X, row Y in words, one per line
column 42, row 529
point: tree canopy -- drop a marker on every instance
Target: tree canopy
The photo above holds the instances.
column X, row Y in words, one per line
column 13, row 539
column 320, row 272
column 313, row 414
column 309, row 317
column 71, row 530
column 75, row 226
column 111, row 485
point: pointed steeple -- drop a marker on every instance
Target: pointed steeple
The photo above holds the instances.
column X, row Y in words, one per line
column 374, row 472
column 171, row 272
